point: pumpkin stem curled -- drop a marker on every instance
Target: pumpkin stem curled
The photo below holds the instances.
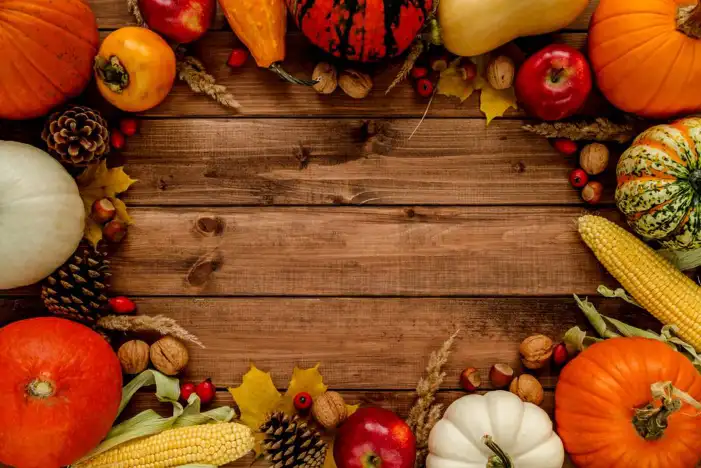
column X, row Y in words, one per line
column 651, row 420
column 112, row 73
column 287, row 77
column 689, row 20
column 500, row 459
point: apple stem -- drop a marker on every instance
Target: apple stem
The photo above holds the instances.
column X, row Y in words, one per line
column 112, row 73
column 500, row 459
column 372, row 461
column 689, row 20
column 556, row 75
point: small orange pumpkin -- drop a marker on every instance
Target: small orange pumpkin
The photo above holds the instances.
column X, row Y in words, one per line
column 647, row 55
column 47, row 49
column 602, row 412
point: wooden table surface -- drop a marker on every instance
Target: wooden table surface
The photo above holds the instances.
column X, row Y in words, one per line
column 325, row 248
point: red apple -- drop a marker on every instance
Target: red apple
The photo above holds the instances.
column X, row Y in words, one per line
column 374, row 438
column 554, row 83
column 181, row 21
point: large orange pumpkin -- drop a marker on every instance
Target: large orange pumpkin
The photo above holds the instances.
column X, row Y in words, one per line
column 598, row 401
column 47, row 49
column 61, row 385
column 647, row 55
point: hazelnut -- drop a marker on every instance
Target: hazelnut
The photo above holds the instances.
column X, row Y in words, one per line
column 133, row 355
column 594, row 158
column 169, row 355
column 536, row 351
column 439, row 64
column 470, row 379
column 329, row 410
column 103, row 210
column 501, row 375
column 327, row 78
column 355, row 84
column 501, row 72
column 527, row 388
column 592, row 192
column 114, row 231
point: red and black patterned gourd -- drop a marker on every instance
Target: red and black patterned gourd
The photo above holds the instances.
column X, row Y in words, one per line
column 361, row 30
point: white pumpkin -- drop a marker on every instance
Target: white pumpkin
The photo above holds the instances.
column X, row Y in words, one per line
column 523, row 431
column 41, row 215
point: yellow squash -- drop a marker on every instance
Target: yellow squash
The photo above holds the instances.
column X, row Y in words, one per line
column 474, row 27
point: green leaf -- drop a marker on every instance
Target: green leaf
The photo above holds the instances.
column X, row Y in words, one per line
column 628, row 330
column 595, row 318
column 619, row 293
column 682, row 259
column 577, row 340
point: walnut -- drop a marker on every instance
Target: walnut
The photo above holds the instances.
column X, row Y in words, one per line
column 327, row 77
column 594, row 158
column 169, row 355
column 329, row 410
column 501, row 72
column 133, row 355
column 355, row 84
column 536, row 351
column 527, row 388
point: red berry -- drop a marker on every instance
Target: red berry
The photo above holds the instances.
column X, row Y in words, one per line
column 129, row 126
column 206, row 391
column 122, row 305
column 578, row 178
column 560, row 355
column 237, row 58
column 186, row 390
column 303, row 402
column 117, row 139
column 565, row 146
column 424, row 87
column 469, row 70
column 419, row 72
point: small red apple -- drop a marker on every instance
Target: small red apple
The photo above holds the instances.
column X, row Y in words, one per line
column 554, row 83
column 181, row 21
column 374, row 438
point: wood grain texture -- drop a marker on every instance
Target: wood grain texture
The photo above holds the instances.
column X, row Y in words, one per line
column 346, row 161
column 262, row 93
column 421, row 251
column 363, row 344
column 112, row 14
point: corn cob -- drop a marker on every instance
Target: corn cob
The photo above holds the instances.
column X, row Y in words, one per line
column 209, row 444
column 656, row 284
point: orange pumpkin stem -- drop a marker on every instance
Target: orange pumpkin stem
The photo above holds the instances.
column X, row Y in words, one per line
column 652, row 420
column 500, row 459
column 112, row 73
column 689, row 20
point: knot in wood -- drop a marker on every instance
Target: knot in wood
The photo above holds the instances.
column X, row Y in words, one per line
column 210, row 226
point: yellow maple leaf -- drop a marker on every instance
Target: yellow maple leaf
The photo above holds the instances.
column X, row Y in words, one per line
column 453, row 82
column 256, row 397
column 303, row 380
column 495, row 102
column 97, row 182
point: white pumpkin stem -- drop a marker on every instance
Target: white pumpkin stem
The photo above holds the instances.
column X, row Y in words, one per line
column 651, row 421
column 689, row 20
column 500, row 459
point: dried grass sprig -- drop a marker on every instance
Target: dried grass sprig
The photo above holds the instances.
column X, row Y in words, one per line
column 600, row 130
column 145, row 323
column 416, row 50
column 425, row 413
column 133, row 7
column 193, row 72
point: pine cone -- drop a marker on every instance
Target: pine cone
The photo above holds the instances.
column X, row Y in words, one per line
column 77, row 290
column 77, row 137
column 290, row 442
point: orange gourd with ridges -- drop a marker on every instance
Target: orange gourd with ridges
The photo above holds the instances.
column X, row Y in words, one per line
column 647, row 55
column 47, row 49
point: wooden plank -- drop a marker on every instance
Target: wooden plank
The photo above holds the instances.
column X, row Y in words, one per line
column 262, row 93
column 112, row 14
column 296, row 161
column 420, row 251
column 361, row 343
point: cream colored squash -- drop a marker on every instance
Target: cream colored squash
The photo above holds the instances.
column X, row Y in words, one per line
column 523, row 431
column 474, row 27
column 41, row 215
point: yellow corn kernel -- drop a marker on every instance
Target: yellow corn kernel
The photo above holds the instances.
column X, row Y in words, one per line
column 656, row 284
column 207, row 444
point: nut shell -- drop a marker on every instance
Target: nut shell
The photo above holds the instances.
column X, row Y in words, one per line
column 594, row 158
column 329, row 410
column 501, row 72
column 536, row 351
column 327, row 77
column 592, row 192
column 527, row 388
column 133, row 355
column 355, row 84
column 169, row 355
column 501, row 375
